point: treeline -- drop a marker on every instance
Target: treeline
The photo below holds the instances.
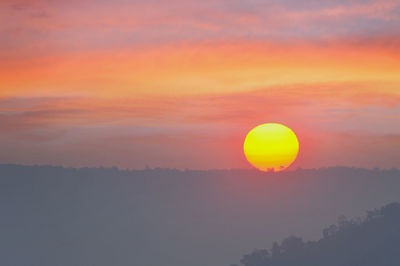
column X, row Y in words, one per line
column 371, row 241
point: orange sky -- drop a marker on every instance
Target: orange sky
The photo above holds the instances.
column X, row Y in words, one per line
column 179, row 84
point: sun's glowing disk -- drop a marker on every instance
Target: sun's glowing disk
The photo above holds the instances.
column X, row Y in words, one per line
column 271, row 147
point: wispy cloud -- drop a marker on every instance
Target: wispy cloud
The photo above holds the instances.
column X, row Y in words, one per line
column 86, row 25
column 309, row 103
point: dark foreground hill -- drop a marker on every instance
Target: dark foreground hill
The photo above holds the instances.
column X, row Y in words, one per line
column 373, row 241
column 101, row 217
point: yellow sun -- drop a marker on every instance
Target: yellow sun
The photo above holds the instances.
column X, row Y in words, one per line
column 271, row 147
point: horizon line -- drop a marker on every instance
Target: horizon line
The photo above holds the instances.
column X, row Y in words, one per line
column 147, row 168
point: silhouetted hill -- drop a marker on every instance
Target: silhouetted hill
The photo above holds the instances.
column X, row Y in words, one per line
column 105, row 216
column 372, row 241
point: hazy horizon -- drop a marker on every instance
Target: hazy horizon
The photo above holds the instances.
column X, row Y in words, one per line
column 165, row 216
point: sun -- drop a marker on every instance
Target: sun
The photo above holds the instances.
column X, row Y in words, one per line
column 271, row 147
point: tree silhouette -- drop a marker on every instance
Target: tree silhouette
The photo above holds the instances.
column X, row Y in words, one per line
column 371, row 241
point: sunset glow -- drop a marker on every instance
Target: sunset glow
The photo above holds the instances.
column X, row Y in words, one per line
column 181, row 82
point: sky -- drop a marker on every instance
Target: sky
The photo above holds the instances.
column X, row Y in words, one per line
column 178, row 84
